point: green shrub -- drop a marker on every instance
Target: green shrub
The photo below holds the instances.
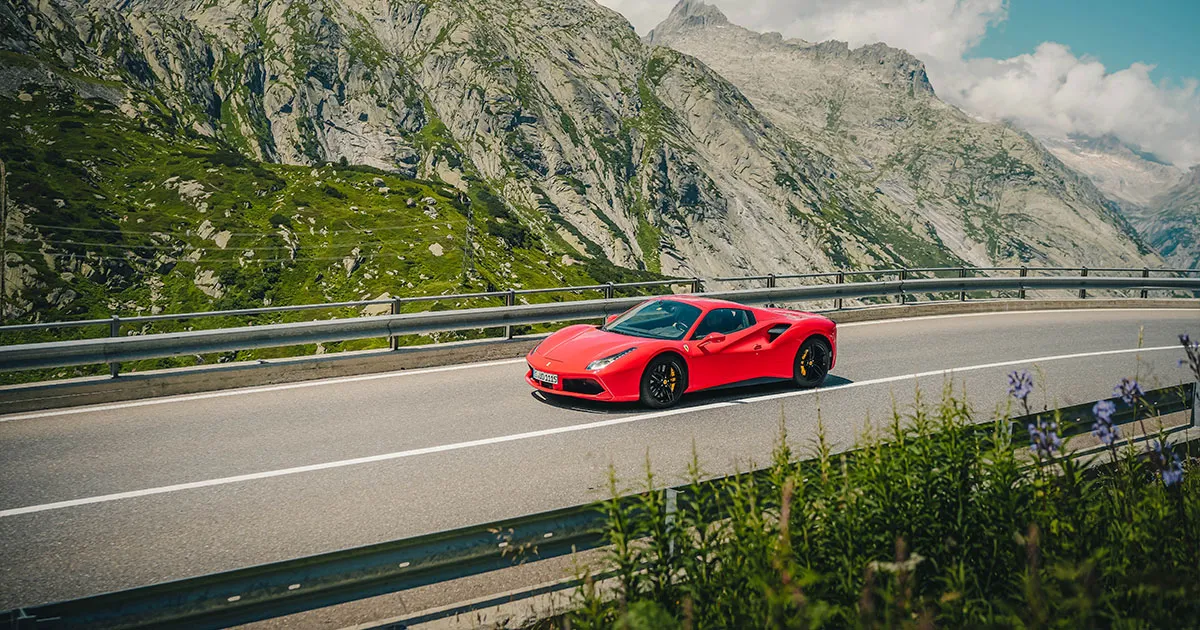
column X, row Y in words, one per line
column 933, row 521
column 512, row 233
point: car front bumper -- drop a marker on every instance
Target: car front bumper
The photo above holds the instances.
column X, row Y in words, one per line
column 585, row 385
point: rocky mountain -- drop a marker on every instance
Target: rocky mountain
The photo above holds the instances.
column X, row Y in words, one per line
column 1158, row 199
column 987, row 192
column 179, row 154
column 1172, row 223
column 1124, row 174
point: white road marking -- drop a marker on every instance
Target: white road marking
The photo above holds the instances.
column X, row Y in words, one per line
column 917, row 318
column 457, row 446
column 466, row 366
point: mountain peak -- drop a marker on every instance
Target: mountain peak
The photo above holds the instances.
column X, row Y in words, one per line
column 689, row 14
column 698, row 12
column 689, row 19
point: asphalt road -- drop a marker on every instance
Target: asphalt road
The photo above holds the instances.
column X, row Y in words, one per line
column 115, row 496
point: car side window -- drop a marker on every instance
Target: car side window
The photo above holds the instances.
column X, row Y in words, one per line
column 724, row 321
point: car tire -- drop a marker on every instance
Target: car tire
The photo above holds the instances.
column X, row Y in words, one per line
column 663, row 381
column 811, row 365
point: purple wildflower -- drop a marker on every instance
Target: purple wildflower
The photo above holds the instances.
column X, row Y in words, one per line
column 1104, row 428
column 1044, row 440
column 1128, row 390
column 1170, row 466
column 1020, row 385
column 1173, row 474
column 1107, row 433
column 1192, row 348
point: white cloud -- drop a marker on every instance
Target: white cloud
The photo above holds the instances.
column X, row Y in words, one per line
column 1052, row 92
column 643, row 14
column 1049, row 91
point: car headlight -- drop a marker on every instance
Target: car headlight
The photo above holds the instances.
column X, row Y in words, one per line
column 600, row 364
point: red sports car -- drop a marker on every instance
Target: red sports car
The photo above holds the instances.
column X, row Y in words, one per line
column 660, row 349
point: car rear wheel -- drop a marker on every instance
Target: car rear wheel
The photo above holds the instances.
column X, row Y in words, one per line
column 663, row 382
column 812, row 363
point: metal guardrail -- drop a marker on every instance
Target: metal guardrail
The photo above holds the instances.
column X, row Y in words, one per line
column 1078, row 419
column 114, row 350
column 291, row 586
column 281, row 588
column 608, row 290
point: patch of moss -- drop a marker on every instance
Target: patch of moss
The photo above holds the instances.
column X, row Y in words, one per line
column 648, row 238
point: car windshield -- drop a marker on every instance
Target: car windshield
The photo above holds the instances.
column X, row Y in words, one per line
column 657, row 319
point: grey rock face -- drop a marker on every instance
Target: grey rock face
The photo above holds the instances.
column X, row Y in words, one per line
column 815, row 156
column 1160, row 200
column 1121, row 173
column 1172, row 224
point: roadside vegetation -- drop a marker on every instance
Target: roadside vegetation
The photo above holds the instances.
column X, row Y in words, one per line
column 934, row 521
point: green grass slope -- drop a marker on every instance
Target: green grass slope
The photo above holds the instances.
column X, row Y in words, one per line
column 112, row 213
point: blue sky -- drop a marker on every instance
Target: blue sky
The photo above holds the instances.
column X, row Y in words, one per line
column 1164, row 33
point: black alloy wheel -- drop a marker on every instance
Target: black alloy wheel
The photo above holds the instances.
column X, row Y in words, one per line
column 812, row 363
column 663, row 382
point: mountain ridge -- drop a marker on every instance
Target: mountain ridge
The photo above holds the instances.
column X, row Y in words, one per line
column 1172, row 224
column 562, row 146
column 928, row 159
column 1152, row 195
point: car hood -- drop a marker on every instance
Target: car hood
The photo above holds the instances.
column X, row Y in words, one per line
column 584, row 346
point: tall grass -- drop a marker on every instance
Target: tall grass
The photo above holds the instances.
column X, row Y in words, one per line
column 931, row 521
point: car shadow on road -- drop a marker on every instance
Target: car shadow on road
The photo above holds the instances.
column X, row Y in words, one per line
column 689, row 400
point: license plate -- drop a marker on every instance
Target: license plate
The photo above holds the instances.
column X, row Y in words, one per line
column 544, row 377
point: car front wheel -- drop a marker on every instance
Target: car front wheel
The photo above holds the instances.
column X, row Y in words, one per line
column 663, row 382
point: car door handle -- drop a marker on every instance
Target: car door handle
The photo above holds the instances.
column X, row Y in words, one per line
column 758, row 346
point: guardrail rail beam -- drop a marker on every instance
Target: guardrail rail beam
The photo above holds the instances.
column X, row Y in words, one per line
column 116, row 349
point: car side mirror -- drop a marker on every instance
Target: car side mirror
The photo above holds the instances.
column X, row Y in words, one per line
column 610, row 319
column 711, row 338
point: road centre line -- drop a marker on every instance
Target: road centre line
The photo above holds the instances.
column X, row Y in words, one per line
column 58, row 505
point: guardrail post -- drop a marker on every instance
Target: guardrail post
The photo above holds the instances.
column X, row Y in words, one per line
column 1195, row 402
column 1024, row 274
column 771, row 281
column 671, row 509
column 114, row 330
column 23, row 621
column 841, row 279
column 1083, row 292
column 510, row 299
column 394, row 341
column 962, row 273
column 697, row 285
column 903, row 277
column 1145, row 274
column 609, row 291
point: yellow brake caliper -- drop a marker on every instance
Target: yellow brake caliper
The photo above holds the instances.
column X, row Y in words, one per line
column 804, row 363
column 670, row 380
